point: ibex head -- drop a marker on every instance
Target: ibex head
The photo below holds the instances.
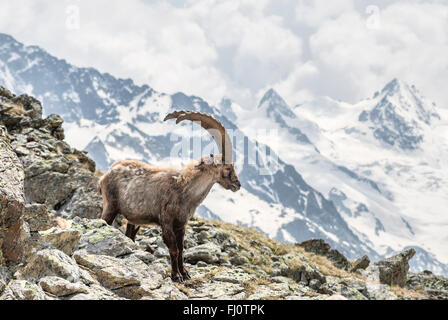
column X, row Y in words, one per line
column 225, row 170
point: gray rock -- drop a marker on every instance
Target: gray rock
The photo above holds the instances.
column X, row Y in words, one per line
column 434, row 286
column 4, row 277
column 62, row 239
column 201, row 264
column 144, row 256
column 273, row 291
column 167, row 291
column 393, row 270
column 60, row 287
column 50, row 262
column 6, row 93
column 161, row 253
column 205, row 236
column 361, row 263
column 30, row 104
column 320, row 247
column 232, row 276
column 112, row 273
column 314, row 284
column 302, row 273
column 23, row 290
column 100, row 238
column 208, row 252
column 217, row 290
column 95, row 292
column 12, row 201
column 38, row 217
column 377, row 291
column 56, row 175
column 239, row 260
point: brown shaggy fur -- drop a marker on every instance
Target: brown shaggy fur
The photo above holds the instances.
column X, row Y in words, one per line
column 169, row 197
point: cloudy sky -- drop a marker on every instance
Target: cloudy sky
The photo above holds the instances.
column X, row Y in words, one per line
column 344, row 49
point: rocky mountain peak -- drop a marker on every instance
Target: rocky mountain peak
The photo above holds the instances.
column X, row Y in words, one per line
column 275, row 105
column 392, row 86
column 225, row 106
column 400, row 115
column 408, row 102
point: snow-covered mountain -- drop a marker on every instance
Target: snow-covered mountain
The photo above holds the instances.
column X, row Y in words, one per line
column 351, row 154
column 400, row 116
column 398, row 140
column 316, row 185
column 382, row 162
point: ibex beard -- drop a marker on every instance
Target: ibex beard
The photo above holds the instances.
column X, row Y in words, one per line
column 167, row 196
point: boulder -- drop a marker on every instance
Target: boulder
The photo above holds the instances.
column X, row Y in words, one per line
column 302, row 273
column 168, row 291
column 100, row 238
column 95, row 292
column 32, row 106
column 112, row 273
column 360, row 264
column 4, row 277
column 239, row 260
column 60, row 287
column 393, row 270
column 38, row 217
column 350, row 288
column 56, row 175
column 320, row 247
column 50, row 262
column 85, row 201
column 146, row 288
column 208, row 252
column 23, row 290
column 13, row 233
column 6, row 93
column 144, row 256
column 62, row 239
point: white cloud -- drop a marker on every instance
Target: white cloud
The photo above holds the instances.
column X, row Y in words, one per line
column 208, row 48
column 240, row 48
column 313, row 13
column 411, row 43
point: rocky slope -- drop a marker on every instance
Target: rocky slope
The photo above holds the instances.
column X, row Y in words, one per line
column 55, row 247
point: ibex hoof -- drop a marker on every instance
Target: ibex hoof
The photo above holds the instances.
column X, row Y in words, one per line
column 186, row 275
column 177, row 278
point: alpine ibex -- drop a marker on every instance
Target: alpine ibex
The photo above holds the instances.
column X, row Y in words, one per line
column 146, row 194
